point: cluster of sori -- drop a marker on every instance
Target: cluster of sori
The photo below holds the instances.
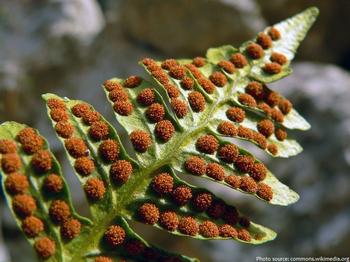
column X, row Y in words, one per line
column 264, row 130
column 263, row 43
column 211, row 217
column 116, row 237
column 249, row 173
column 155, row 112
column 101, row 138
column 24, row 193
column 168, row 74
column 259, row 96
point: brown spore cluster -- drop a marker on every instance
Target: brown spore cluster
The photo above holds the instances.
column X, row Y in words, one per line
column 53, row 183
column 42, row 161
column 285, row 106
column 255, row 51
column 115, row 235
column 172, row 90
column 215, row 171
column 84, row 166
column 235, row 114
column 123, row 108
column 146, row 97
column 118, row 95
column 23, row 205
column 54, row 103
column 169, row 63
column 266, row 127
column 195, row 166
column 244, row 163
column 202, row 201
column 277, row 115
column 197, row 101
column 207, row 85
column 58, row 114
column 110, row 85
column 255, row 89
column 91, row 117
column 76, row 147
column 227, row 231
column 169, row 220
column 120, row 98
column 99, row 130
column 227, row 66
column 274, row 34
column 248, row 184
column 245, row 132
column 178, row 72
column 247, row 100
column 16, row 183
column 32, row 226
column 260, row 140
column 80, row 109
column 273, row 149
column 140, row 140
column 150, row 63
column 163, row 184
column 244, row 235
column 258, row 171
column 120, row 171
column 64, row 129
column 194, row 71
column 265, row 191
column 272, row 98
column 207, row 144
column 228, row 153
column 188, row 226
column 132, row 81
column 234, row 181
column 181, row 195
column 226, row 128
column 239, row 60
column 199, row 61
column 272, row 68
column 180, row 107
column 45, row 247
column 218, row 79
column 264, row 40
column 208, row 229
column 149, row 213
column 7, row 146
column 70, row 229
column 278, row 58
column 109, row 150
column 164, row 130
column 155, row 112
column 94, row 189
column 187, row 83
column 280, row 134
column 161, row 76
column 31, row 142
column 59, row 211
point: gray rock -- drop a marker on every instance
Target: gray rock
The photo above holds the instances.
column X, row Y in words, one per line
column 187, row 28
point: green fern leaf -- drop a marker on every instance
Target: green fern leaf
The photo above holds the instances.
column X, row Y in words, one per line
column 182, row 121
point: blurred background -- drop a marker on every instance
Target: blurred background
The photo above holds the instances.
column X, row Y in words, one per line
column 70, row 47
